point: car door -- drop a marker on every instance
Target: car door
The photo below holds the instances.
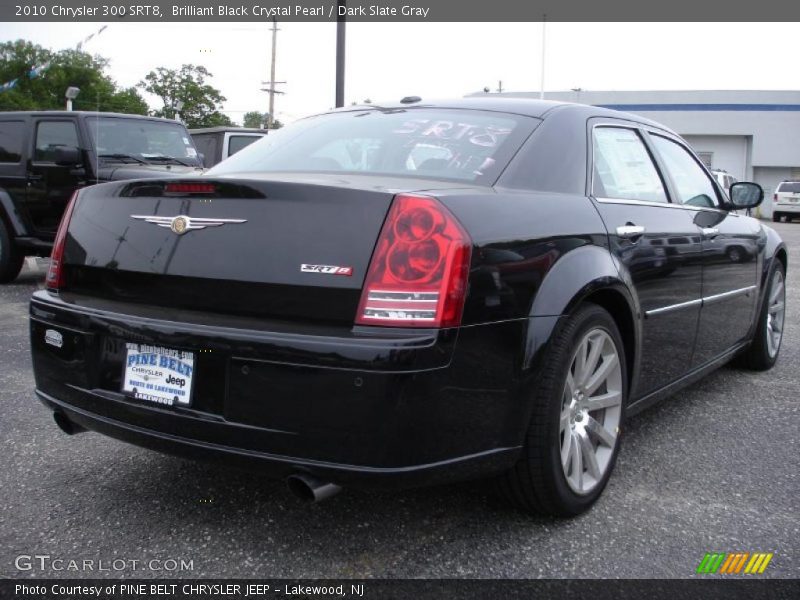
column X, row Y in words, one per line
column 729, row 252
column 50, row 185
column 657, row 245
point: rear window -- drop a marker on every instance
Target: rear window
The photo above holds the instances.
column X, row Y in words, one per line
column 239, row 142
column 141, row 138
column 792, row 187
column 463, row 145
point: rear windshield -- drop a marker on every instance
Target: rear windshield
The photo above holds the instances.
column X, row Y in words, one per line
column 789, row 186
column 463, row 145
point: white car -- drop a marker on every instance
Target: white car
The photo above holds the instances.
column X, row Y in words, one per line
column 724, row 179
column 786, row 201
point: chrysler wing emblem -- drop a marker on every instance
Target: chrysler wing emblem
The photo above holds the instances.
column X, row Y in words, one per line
column 182, row 224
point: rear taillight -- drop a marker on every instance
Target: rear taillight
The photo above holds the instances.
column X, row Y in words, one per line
column 418, row 273
column 774, row 197
column 55, row 274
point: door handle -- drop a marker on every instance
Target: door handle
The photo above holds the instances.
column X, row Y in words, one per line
column 630, row 231
column 710, row 232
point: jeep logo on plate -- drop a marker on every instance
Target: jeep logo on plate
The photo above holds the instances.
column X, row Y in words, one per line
column 327, row 269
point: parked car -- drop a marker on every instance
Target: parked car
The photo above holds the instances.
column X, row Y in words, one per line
column 329, row 312
column 723, row 178
column 46, row 156
column 216, row 144
column 786, row 201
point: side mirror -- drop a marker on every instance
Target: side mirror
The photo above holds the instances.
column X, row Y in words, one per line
column 745, row 194
column 67, row 156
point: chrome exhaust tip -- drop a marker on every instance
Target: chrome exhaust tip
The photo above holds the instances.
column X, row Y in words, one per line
column 311, row 489
column 67, row 426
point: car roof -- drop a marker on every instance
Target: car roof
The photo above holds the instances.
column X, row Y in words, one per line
column 226, row 129
column 80, row 113
column 528, row 107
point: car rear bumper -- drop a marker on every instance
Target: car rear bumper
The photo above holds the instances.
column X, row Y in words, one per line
column 784, row 208
column 362, row 406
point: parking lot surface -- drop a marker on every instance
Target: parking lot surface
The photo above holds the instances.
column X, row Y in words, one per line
column 713, row 469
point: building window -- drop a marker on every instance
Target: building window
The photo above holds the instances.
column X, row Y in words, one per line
column 706, row 158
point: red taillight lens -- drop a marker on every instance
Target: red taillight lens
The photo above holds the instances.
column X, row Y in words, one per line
column 190, row 188
column 774, row 197
column 418, row 273
column 55, row 274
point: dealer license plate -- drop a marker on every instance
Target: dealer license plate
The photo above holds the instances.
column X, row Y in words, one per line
column 159, row 375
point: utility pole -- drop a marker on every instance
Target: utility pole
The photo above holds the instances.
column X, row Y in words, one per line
column 340, row 48
column 270, row 118
column 500, row 87
column 544, row 30
column 272, row 83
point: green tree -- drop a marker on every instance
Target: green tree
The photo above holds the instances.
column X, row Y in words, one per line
column 66, row 68
column 201, row 101
column 257, row 119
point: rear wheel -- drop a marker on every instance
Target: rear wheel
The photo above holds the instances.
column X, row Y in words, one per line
column 763, row 351
column 11, row 258
column 573, row 439
column 776, row 217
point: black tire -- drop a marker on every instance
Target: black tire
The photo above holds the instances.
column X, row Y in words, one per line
column 11, row 258
column 757, row 356
column 538, row 484
column 776, row 217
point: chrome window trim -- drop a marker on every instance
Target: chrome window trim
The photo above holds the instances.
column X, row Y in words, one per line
column 705, row 300
column 658, row 204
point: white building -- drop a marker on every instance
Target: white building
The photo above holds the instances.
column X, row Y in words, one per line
column 754, row 135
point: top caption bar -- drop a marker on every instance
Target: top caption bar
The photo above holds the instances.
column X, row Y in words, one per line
column 399, row 11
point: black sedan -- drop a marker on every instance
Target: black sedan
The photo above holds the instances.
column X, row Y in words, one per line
column 409, row 294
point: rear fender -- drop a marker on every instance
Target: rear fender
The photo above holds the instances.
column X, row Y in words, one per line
column 585, row 274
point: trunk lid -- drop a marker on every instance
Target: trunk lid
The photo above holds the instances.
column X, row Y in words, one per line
column 283, row 246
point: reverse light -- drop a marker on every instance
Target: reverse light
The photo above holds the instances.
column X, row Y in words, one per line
column 182, row 187
column 418, row 273
column 55, row 274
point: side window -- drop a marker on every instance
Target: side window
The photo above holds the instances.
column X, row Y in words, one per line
column 11, row 133
column 694, row 186
column 237, row 142
column 623, row 168
column 52, row 134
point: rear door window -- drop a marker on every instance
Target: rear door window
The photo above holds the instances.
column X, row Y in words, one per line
column 11, row 137
column 623, row 168
column 52, row 134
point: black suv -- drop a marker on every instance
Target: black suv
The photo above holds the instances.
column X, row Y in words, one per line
column 46, row 156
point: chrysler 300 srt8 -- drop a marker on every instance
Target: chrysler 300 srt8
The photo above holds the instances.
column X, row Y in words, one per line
column 409, row 294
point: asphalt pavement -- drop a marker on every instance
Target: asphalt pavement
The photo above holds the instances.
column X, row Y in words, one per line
column 713, row 469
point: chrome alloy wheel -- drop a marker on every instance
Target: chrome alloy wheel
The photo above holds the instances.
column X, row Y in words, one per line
column 590, row 411
column 776, row 310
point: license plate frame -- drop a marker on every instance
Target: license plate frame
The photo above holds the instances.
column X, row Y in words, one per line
column 159, row 375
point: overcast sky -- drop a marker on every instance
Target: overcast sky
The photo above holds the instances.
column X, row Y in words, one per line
column 386, row 61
